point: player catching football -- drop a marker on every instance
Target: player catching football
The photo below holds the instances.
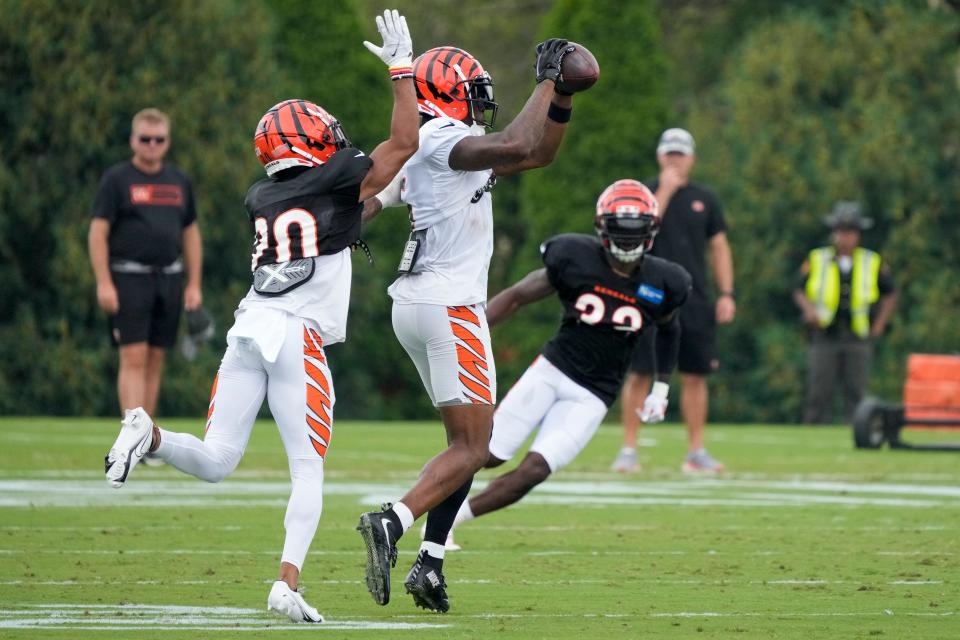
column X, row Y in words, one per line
column 438, row 299
column 306, row 215
column 611, row 291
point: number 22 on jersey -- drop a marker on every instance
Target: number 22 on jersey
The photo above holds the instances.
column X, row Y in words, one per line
column 593, row 309
column 305, row 235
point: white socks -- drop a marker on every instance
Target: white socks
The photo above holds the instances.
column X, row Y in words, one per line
column 463, row 514
column 403, row 512
column 433, row 549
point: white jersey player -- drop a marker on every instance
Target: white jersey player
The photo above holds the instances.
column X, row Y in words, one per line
column 306, row 215
column 438, row 299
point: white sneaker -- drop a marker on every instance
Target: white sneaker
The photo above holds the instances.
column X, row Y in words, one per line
column 136, row 434
column 700, row 462
column 626, row 461
column 290, row 603
column 449, row 545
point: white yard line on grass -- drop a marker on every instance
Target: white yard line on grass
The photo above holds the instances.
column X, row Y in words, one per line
column 238, row 493
column 92, row 618
column 128, row 617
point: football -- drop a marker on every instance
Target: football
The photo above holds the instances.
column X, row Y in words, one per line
column 578, row 71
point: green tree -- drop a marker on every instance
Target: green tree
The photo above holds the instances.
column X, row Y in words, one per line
column 861, row 104
column 72, row 81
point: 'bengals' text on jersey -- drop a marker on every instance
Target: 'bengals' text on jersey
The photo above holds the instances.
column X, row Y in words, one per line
column 603, row 312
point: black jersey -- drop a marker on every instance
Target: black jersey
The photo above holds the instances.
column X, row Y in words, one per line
column 603, row 312
column 147, row 212
column 310, row 212
column 692, row 217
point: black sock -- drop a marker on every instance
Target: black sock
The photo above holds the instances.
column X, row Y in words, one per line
column 440, row 518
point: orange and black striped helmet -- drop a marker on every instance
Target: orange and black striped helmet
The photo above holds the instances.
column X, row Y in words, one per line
column 297, row 133
column 627, row 220
column 451, row 82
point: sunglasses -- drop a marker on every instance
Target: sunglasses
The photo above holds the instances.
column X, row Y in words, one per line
column 149, row 139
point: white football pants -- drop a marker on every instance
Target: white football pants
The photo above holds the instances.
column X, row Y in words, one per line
column 450, row 346
column 566, row 413
column 299, row 390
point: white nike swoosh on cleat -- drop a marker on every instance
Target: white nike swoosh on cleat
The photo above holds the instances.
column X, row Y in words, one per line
column 386, row 529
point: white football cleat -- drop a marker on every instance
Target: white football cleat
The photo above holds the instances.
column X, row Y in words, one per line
column 290, row 603
column 449, row 545
column 136, row 435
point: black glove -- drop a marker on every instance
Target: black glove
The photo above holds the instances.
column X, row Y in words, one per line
column 549, row 58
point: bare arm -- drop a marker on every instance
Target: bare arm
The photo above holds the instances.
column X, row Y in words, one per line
column 546, row 150
column 887, row 304
column 193, row 260
column 514, row 144
column 722, row 259
column 534, row 286
column 667, row 346
column 371, row 209
column 97, row 242
column 809, row 311
column 389, row 156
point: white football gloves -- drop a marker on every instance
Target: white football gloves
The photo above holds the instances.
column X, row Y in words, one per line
column 397, row 49
column 655, row 406
column 390, row 196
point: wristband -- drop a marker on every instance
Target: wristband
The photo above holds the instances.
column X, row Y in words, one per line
column 728, row 294
column 560, row 115
column 400, row 73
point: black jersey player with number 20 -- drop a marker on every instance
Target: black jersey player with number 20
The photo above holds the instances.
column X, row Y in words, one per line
column 611, row 291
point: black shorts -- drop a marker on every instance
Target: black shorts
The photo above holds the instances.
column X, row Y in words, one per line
column 150, row 306
column 697, row 343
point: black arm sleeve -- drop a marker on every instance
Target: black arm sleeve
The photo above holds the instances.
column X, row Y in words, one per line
column 667, row 346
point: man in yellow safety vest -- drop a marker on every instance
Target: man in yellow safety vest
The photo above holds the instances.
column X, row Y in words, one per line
column 847, row 296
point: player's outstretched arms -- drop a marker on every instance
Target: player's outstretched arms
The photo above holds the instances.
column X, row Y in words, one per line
column 521, row 139
column 389, row 155
column 532, row 287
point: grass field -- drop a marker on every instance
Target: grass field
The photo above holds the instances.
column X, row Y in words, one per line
column 805, row 538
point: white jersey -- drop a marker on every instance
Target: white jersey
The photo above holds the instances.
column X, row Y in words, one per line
column 324, row 299
column 454, row 210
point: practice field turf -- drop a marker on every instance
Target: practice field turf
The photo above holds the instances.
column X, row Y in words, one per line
column 804, row 538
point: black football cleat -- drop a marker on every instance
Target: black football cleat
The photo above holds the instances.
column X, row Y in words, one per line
column 427, row 586
column 380, row 538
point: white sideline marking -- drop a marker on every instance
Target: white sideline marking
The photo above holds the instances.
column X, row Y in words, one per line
column 140, row 616
column 585, row 494
column 787, row 614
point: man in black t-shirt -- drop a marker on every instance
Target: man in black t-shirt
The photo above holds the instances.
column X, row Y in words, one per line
column 612, row 292
column 847, row 295
column 144, row 241
column 693, row 225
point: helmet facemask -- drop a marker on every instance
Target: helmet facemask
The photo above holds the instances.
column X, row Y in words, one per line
column 479, row 92
column 627, row 237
